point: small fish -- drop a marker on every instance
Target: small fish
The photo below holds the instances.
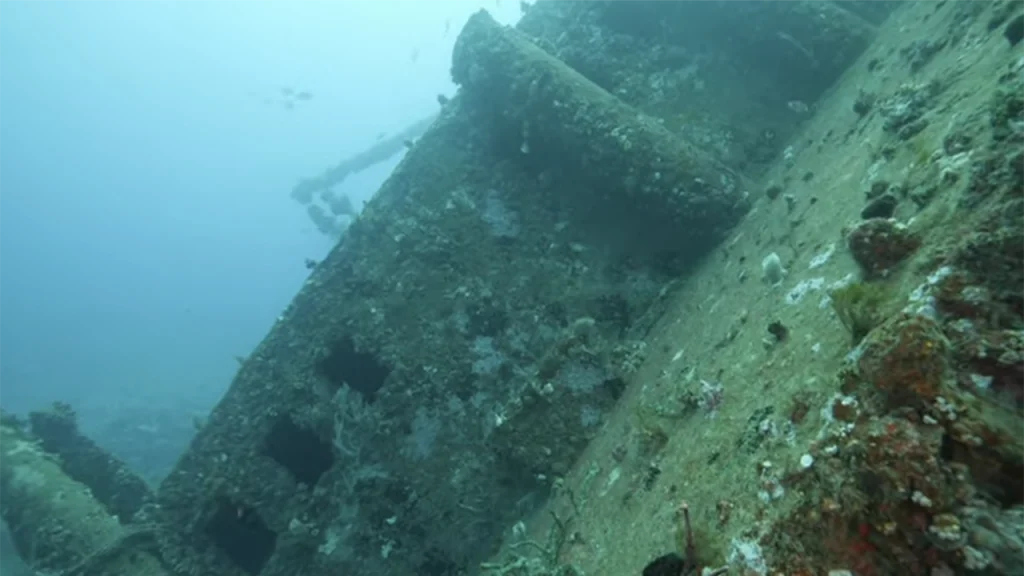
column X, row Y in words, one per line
column 415, row 55
column 797, row 106
column 304, row 95
column 287, row 92
column 447, row 26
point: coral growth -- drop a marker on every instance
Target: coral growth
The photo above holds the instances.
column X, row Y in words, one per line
column 906, row 359
column 859, row 306
column 879, row 244
column 924, row 474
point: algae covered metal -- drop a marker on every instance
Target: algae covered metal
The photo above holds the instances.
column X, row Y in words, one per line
column 460, row 346
column 56, row 523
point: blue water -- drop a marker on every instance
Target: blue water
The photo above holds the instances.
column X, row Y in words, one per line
column 147, row 150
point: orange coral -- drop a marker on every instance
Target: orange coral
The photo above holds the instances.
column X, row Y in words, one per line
column 906, row 359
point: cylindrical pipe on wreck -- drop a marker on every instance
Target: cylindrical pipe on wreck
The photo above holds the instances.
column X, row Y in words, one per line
column 567, row 124
column 56, row 523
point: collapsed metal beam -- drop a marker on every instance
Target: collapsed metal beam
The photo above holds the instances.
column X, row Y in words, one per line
column 306, row 189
